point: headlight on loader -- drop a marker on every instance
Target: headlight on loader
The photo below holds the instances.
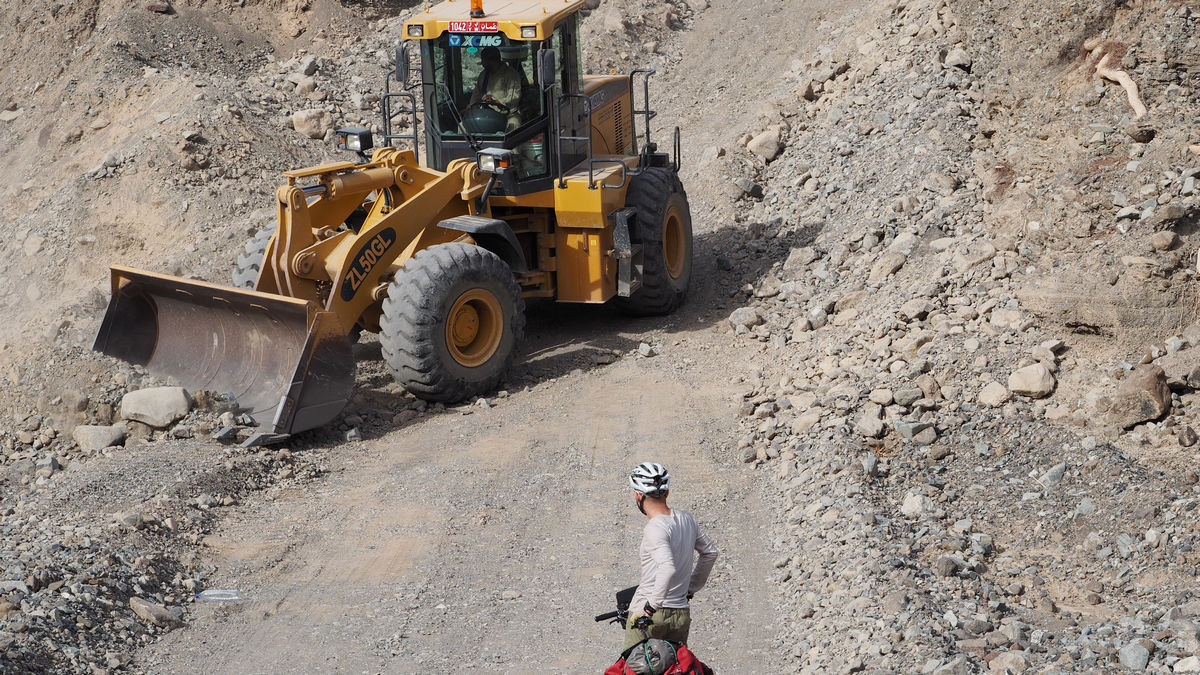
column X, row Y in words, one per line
column 355, row 139
column 529, row 32
column 416, row 31
column 495, row 160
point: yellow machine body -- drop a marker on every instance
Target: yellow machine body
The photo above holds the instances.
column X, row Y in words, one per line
column 504, row 16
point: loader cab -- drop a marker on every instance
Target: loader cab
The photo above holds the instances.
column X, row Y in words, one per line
column 455, row 74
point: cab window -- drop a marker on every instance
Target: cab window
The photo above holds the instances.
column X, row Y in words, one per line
column 484, row 84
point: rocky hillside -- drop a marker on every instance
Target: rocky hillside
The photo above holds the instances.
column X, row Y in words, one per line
column 153, row 134
column 971, row 266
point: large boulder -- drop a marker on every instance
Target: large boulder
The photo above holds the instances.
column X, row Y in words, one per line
column 155, row 614
column 312, row 123
column 917, row 505
column 804, row 423
column 1142, row 396
column 973, row 254
column 159, row 407
column 958, row 58
column 91, row 438
column 1035, row 381
column 993, row 394
column 870, row 425
column 768, row 144
column 1134, row 656
column 1008, row 662
column 887, row 265
column 747, row 317
column 800, row 257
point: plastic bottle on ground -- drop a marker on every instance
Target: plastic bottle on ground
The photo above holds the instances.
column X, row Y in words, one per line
column 219, row 595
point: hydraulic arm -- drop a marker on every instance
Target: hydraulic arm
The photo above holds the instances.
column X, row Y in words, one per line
column 282, row 348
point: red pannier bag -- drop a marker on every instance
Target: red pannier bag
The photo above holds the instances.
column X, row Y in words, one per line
column 686, row 663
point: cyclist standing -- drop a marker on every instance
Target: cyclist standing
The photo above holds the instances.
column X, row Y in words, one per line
column 670, row 541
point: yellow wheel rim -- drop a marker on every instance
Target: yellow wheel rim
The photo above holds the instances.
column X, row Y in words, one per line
column 474, row 327
column 674, row 244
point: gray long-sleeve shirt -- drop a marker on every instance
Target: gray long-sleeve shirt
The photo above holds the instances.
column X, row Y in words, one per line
column 669, row 547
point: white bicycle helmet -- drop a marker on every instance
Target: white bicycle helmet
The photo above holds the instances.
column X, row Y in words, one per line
column 650, row 479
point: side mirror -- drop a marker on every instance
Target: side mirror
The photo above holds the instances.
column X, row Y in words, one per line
column 546, row 61
column 402, row 64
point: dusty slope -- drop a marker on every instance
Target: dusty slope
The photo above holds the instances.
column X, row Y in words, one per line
column 1025, row 495
column 152, row 554
column 148, row 138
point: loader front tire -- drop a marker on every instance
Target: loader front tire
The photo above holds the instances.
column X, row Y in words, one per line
column 664, row 229
column 451, row 323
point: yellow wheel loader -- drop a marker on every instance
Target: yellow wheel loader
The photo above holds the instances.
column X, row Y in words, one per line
column 539, row 182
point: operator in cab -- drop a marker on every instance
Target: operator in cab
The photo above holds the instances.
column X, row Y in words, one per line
column 499, row 86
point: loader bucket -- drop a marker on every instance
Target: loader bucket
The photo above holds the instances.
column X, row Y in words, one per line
column 287, row 361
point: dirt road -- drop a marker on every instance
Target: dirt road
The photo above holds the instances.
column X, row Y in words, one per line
column 488, row 540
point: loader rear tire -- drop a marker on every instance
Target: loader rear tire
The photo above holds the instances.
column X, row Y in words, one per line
column 664, row 229
column 249, row 261
column 451, row 323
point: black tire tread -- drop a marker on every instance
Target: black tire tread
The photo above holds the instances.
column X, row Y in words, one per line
column 249, row 261
column 411, row 321
column 649, row 193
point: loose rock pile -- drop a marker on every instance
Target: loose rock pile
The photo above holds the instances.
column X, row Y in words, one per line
column 961, row 489
column 81, row 584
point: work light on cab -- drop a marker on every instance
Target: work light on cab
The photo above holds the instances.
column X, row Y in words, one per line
column 529, row 32
column 495, row 160
column 416, row 31
column 355, row 139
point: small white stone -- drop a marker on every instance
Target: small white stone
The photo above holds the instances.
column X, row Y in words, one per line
column 993, row 394
column 916, row 505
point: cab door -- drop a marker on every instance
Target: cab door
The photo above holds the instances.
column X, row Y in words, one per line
column 573, row 117
column 537, row 146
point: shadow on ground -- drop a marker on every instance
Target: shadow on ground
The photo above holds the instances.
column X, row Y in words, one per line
column 562, row 338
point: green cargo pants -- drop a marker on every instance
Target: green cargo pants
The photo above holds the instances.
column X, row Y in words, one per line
column 669, row 624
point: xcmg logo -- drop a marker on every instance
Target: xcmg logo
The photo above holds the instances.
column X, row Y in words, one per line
column 476, row 41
